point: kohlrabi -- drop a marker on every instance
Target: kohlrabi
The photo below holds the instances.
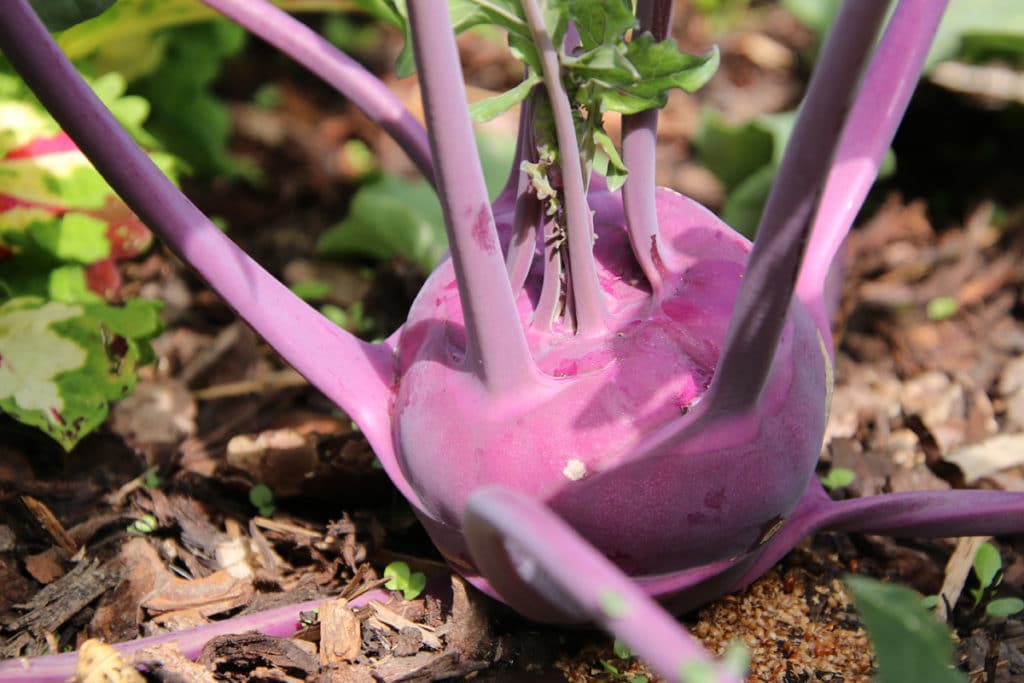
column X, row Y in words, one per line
column 604, row 397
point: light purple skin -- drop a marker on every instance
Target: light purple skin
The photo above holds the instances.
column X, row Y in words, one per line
column 478, row 406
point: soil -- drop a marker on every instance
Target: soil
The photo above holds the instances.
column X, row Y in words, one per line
column 147, row 525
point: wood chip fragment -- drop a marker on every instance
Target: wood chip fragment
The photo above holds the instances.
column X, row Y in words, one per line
column 51, row 524
column 958, row 568
column 398, row 622
column 989, row 457
column 341, row 637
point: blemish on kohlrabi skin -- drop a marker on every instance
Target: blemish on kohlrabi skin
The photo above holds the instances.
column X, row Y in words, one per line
column 771, row 528
column 696, row 672
column 613, row 604
column 575, row 470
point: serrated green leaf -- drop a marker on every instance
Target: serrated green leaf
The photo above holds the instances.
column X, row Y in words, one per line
column 601, row 22
column 61, row 364
column 67, row 283
column 59, row 15
column 487, row 109
column 910, row 645
column 662, row 67
column 74, row 237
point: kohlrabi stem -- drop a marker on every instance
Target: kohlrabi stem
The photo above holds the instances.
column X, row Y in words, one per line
column 639, row 146
column 549, row 304
column 281, row 622
column 655, row 16
column 930, row 514
column 870, row 127
column 588, row 297
column 496, row 343
column 527, row 216
column 524, row 139
column 522, row 246
column 762, row 304
column 350, row 78
column 354, row 374
column 763, row 301
column 542, row 567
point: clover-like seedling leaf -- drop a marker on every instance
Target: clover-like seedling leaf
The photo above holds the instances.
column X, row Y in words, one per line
column 146, row 524
column 403, row 579
column 262, row 498
column 910, row 645
column 1004, row 607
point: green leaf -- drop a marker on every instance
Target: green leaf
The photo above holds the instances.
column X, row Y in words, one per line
column 621, row 650
column 837, row 478
column 743, row 207
column 75, row 237
column 662, row 67
column 987, row 564
column 1004, row 607
column 601, row 22
column 67, row 283
column 942, row 307
column 61, row 364
column 910, row 645
column 607, row 161
column 59, row 15
column 487, row 109
column 311, row 290
column 396, row 217
column 401, row 578
column 262, row 498
column 387, row 218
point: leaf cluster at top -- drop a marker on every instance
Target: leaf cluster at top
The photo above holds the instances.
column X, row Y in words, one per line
column 612, row 69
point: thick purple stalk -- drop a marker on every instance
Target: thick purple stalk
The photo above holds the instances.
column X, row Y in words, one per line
column 496, row 345
column 528, row 213
column 346, row 75
column 937, row 514
column 539, row 564
column 522, row 246
column 762, row 305
column 356, row 375
column 588, row 297
column 870, row 127
column 524, row 136
column 639, row 144
column 550, row 302
column 639, row 141
column 280, row 622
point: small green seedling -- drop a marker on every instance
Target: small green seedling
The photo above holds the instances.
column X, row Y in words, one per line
column 262, row 498
column 622, row 651
column 942, row 307
column 146, row 524
column 151, row 478
column 837, row 478
column 988, row 569
column 403, row 579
